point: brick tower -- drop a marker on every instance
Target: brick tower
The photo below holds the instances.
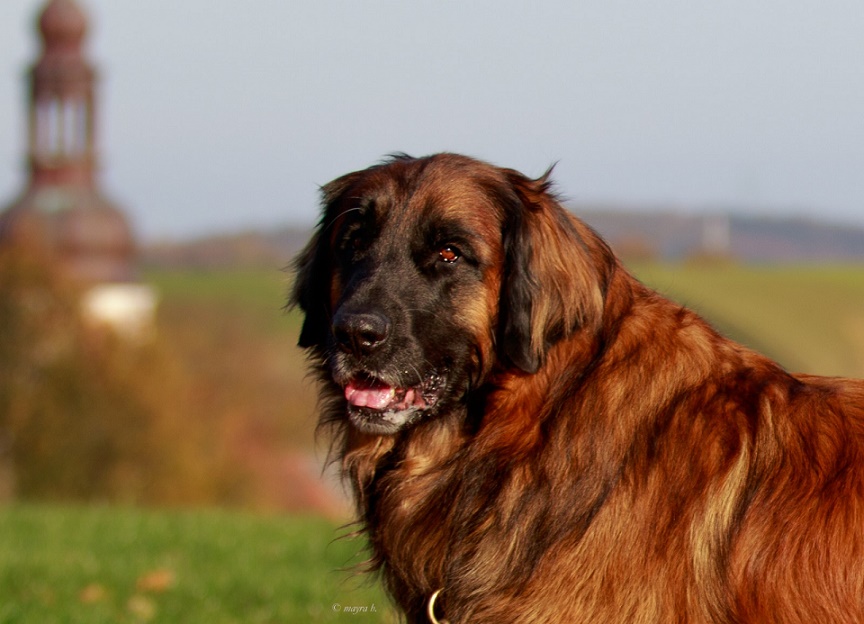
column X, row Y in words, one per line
column 62, row 210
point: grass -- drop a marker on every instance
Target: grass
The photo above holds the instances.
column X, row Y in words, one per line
column 258, row 294
column 809, row 318
column 101, row 565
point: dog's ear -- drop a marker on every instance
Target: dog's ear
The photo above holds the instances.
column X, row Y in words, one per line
column 313, row 267
column 311, row 274
column 555, row 271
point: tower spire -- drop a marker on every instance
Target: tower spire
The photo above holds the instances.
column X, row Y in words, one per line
column 62, row 210
column 61, row 107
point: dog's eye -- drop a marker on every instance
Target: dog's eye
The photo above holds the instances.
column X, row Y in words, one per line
column 449, row 254
column 353, row 242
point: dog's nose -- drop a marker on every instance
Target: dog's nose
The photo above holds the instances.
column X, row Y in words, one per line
column 360, row 333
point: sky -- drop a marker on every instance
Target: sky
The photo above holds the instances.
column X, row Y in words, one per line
column 218, row 115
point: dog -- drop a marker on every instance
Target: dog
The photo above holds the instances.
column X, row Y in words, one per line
column 532, row 435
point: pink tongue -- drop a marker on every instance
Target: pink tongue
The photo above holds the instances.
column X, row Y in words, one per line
column 373, row 395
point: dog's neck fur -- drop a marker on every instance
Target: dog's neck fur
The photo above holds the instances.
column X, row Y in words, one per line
column 417, row 477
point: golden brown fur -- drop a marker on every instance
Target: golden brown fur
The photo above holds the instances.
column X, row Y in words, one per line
column 608, row 457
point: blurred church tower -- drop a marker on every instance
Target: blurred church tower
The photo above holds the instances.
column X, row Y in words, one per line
column 62, row 211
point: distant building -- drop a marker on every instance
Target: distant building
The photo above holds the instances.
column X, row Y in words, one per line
column 716, row 235
column 62, row 210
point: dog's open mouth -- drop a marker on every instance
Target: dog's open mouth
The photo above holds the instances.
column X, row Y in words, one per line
column 375, row 406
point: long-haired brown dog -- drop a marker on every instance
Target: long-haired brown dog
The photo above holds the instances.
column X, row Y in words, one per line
column 532, row 435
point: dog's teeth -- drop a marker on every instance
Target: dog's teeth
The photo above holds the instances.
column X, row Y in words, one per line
column 377, row 396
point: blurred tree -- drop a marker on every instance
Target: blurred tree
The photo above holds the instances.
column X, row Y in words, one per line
column 87, row 415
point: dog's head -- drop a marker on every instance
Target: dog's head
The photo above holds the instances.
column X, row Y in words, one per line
column 427, row 274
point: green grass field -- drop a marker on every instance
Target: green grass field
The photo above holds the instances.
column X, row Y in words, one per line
column 107, row 565
column 809, row 318
column 258, row 294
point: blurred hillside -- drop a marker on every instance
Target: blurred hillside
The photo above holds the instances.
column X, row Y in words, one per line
column 230, row 250
column 671, row 236
column 640, row 235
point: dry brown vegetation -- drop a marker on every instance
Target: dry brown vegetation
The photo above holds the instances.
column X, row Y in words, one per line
column 85, row 414
column 195, row 415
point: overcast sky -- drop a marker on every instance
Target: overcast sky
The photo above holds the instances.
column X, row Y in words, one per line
column 218, row 114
